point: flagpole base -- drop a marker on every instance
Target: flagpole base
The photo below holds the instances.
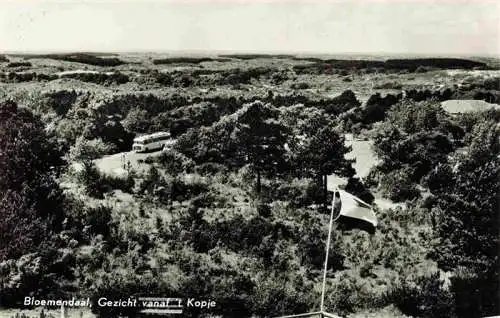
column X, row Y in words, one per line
column 315, row 314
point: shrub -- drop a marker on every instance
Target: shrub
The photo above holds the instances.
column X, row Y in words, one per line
column 99, row 78
column 18, row 77
column 97, row 183
column 342, row 103
column 183, row 191
column 301, row 85
column 475, row 294
column 46, row 77
column 426, row 297
column 85, row 149
column 356, row 187
column 175, row 162
column 97, row 220
column 491, row 83
column 210, row 168
column 30, row 197
column 204, row 200
column 421, row 69
column 311, row 242
column 125, row 184
column 152, row 180
column 90, row 177
column 299, row 192
column 30, row 274
column 397, row 186
column 263, row 209
column 389, row 85
column 19, row 64
column 350, row 295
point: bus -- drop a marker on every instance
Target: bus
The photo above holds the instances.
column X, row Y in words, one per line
column 154, row 141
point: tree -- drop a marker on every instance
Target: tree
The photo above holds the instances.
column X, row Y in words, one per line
column 251, row 136
column 415, row 137
column 376, row 108
column 30, row 207
column 342, row 103
column 317, row 148
column 259, row 140
column 137, row 121
column 323, row 153
column 468, row 222
column 85, row 149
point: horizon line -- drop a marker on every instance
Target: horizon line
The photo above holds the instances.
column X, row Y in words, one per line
column 246, row 52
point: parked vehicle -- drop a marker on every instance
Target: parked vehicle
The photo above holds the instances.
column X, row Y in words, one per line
column 150, row 142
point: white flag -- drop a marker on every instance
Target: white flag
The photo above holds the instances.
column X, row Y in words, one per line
column 353, row 207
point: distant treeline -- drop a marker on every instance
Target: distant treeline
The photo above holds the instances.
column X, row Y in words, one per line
column 271, row 56
column 18, row 77
column 205, row 77
column 189, row 60
column 85, row 58
column 97, row 78
column 257, row 56
column 19, row 64
column 411, row 65
column 3, row 58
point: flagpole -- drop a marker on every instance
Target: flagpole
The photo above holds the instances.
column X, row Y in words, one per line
column 322, row 306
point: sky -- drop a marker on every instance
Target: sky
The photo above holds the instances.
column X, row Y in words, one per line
column 349, row 26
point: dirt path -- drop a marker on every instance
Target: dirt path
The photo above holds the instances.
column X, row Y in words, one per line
column 365, row 160
column 117, row 164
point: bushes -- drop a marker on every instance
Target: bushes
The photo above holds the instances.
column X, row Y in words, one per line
column 60, row 101
column 99, row 78
column 97, row 183
column 210, row 168
column 349, row 294
column 29, row 274
column 176, row 163
column 137, row 121
column 356, row 187
column 243, row 76
column 19, row 64
column 299, row 192
column 301, row 85
column 475, row 293
column 442, row 63
column 398, row 187
column 426, row 297
column 90, row 149
column 182, row 191
column 18, row 77
column 492, row 83
column 239, row 234
column 389, row 85
column 97, row 220
column 411, row 143
column 342, row 103
column 30, row 197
